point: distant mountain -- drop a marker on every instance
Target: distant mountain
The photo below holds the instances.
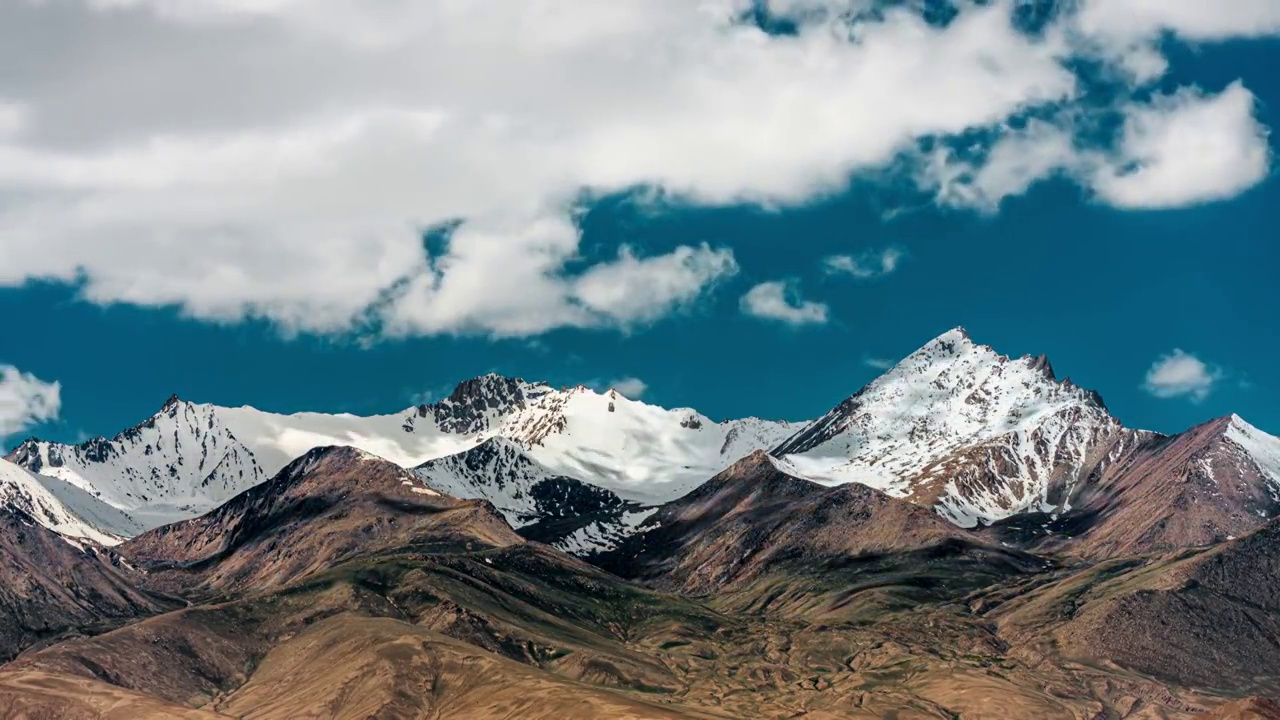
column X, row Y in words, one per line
column 189, row 458
column 572, row 515
column 330, row 505
column 179, row 463
column 62, row 507
column 980, row 438
column 50, row 587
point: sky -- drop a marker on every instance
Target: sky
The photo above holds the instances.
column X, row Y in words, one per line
column 750, row 208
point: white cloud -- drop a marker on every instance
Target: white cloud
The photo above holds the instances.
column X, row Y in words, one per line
column 780, row 301
column 877, row 363
column 1174, row 150
column 1015, row 162
column 1191, row 19
column 1128, row 33
column 632, row 388
column 865, row 266
column 279, row 159
column 1187, row 148
column 26, row 400
column 1180, row 374
column 478, row 286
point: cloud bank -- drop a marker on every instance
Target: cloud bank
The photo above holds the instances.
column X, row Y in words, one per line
column 281, row 160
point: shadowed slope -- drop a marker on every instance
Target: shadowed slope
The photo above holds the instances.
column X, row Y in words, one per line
column 1196, row 488
column 330, row 505
column 49, row 588
column 755, row 516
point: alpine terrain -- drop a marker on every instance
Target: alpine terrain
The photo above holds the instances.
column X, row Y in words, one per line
column 967, row 536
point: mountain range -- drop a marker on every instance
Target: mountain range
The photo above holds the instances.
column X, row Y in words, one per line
column 967, row 535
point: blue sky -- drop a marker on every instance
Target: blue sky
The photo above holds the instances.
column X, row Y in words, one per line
column 1109, row 259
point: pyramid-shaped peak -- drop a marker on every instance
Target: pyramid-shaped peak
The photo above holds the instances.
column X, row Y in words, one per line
column 956, row 337
column 494, row 387
column 1235, row 421
column 476, row 403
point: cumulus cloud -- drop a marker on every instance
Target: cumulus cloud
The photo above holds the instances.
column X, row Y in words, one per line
column 1017, row 160
column 26, row 400
column 632, row 388
column 1181, row 374
column 780, row 301
column 1174, row 150
column 281, row 159
column 865, row 266
column 1186, row 148
column 1190, row 19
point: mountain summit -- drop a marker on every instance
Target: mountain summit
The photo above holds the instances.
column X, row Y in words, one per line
column 957, row 426
column 978, row 437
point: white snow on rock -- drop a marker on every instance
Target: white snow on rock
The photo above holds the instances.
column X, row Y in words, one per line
column 954, row 426
column 1260, row 447
column 1001, row 429
column 62, row 507
column 642, row 452
column 181, row 462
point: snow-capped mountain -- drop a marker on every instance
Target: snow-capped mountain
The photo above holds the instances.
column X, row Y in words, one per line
column 570, row 514
column 642, row 452
column 179, row 463
column 190, row 458
column 972, row 433
column 525, row 492
column 62, row 507
column 977, row 436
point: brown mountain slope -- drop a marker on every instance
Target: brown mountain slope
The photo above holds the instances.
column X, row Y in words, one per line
column 328, row 506
column 49, row 588
column 34, row 695
column 1192, row 489
column 393, row 669
column 1207, row 619
column 534, row 622
column 754, row 517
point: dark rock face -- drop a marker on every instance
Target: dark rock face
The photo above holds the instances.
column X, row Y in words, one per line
column 544, row 506
column 473, row 403
column 27, row 455
column 565, row 497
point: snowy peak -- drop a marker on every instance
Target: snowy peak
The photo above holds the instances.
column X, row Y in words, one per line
column 1261, row 448
column 481, row 403
column 178, row 463
column 565, row 512
column 61, row 507
column 949, row 392
column 957, row 426
column 643, row 452
column 497, row 470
